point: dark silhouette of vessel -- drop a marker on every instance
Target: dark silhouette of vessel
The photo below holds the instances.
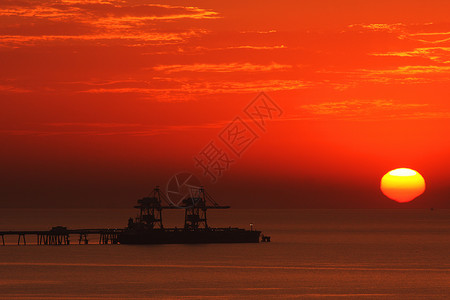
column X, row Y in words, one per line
column 148, row 227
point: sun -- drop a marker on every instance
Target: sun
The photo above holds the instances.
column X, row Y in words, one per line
column 402, row 185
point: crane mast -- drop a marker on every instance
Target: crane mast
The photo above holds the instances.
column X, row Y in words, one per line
column 195, row 206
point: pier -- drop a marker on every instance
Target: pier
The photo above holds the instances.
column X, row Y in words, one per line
column 60, row 235
column 148, row 228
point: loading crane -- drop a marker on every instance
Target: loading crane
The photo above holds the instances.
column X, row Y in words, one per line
column 195, row 209
column 150, row 211
column 195, row 206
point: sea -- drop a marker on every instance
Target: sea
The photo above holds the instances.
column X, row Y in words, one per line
column 345, row 254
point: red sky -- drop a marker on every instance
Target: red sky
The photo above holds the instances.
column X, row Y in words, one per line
column 101, row 100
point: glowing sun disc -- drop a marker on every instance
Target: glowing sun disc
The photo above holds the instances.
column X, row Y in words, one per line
column 402, row 185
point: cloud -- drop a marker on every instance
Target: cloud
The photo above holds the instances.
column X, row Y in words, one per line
column 416, row 32
column 409, row 74
column 93, row 125
column 259, row 31
column 355, row 106
column 410, row 70
column 159, row 38
column 105, row 129
column 437, row 54
column 251, row 47
column 26, row 23
column 256, row 47
column 185, row 89
column 395, row 27
column 431, row 37
column 99, row 11
column 373, row 110
column 12, row 89
column 221, row 68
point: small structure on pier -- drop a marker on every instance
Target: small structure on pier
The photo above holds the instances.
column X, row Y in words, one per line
column 58, row 235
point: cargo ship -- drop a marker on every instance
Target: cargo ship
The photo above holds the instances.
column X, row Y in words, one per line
column 148, row 228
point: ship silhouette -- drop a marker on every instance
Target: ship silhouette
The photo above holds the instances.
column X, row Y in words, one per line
column 148, row 228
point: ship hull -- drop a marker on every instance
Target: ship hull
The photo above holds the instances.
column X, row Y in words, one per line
column 171, row 236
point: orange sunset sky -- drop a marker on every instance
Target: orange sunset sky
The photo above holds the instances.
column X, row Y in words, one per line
column 101, row 100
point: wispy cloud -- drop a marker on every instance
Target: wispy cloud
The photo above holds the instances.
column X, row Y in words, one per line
column 110, row 12
column 172, row 88
column 185, row 89
column 221, row 68
column 437, row 54
column 409, row 74
column 99, row 20
column 147, row 37
column 431, row 37
column 13, row 89
column 355, row 106
column 411, row 70
column 259, row 31
column 373, row 110
column 248, row 47
column 418, row 32
column 379, row 27
column 105, row 129
column 92, row 125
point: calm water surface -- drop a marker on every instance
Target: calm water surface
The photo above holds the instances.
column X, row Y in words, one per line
column 373, row 254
